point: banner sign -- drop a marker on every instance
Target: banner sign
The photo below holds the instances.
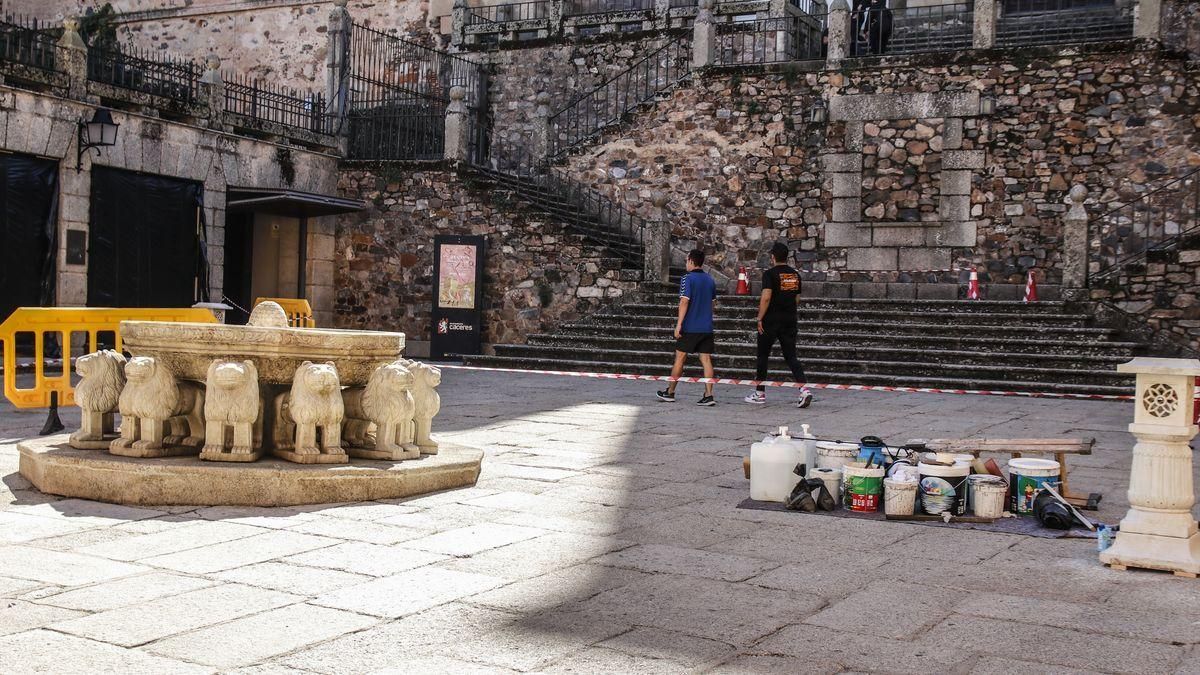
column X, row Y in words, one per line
column 457, row 295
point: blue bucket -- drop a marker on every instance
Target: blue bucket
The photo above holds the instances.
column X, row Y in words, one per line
column 873, row 449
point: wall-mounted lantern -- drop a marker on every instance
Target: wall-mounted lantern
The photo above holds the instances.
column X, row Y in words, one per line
column 100, row 132
column 819, row 113
column 987, row 105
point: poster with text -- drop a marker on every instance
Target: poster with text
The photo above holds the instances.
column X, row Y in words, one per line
column 456, row 277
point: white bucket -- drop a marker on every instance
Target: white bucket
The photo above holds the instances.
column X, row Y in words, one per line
column 1026, row 476
column 833, row 482
column 862, row 489
column 951, row 479
column 833, row 455
column 988, row 497
column 899, row 497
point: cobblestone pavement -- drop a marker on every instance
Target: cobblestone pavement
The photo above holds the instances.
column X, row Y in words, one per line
column 602, row 537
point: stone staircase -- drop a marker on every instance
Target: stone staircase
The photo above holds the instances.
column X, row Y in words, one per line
column 960, row 344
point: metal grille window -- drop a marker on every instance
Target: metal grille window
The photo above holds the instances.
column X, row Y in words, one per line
column 515, row 11
column 174, row 79
column 583, row 7
column 26, row 42
column 1034, row 22
column 261, row 103
column 929, row 28
column 793, row 38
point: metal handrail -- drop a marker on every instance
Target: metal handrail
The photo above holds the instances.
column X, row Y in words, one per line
column 1120, row 261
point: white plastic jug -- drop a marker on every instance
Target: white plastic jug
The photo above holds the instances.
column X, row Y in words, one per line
column 810, row 449
column 771, row 465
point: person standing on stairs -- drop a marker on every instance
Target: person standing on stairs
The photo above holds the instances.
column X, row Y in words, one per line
column 694, row 326
column 777, row 322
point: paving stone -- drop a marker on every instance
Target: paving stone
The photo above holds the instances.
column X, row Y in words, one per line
column 258, row 516
column 505, row 484
column 43, row 651
column 254, row 638
column 369, row 559
column 422, row 665
column 717, row 610
column 615, row 497
column 459, row 496
column 825, row 649
column 295, row 579
column 93, row 513
column 537, row 556
column 361, row 511
column 653, row 643
column 898, row 610
column 532, row 643
column 141, row 623
column 176, row 539
column 803, row 533
column 469, row 540
column 692, row 531
column 10, row 587
column 127, row 591
column 407, row 593
column 227, row 555
column 685, row 561
column 18, row 528
column 399, row 643
column 57, row 567
column 601, row 526
column 755, row 665
column 960, row 545
column 527, row 503
column 1103, row 619
column 991, row 665
column 602, row 660
column 18, row 615
column 372, row 533
column 828, row 573
column 519, row 470
column 84, row 538
column 1054, row 645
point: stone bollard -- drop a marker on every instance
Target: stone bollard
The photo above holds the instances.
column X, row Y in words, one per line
column 212, row 87
column 541, row 145
column 984, row 31
column 458, row 23
column 704, row 36
column 838, row 46
column 1147, row 17
column 337, row 71
column 1075, row 245
column 73, row 61
column 656, row 246
column 457, row 126
column 1159, row 531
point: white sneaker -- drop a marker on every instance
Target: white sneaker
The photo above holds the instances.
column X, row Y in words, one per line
column 756, row 397
column 806, row 399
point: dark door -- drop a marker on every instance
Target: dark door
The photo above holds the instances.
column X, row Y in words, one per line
column 28, row 195
column 143, row 241
column 239, row 261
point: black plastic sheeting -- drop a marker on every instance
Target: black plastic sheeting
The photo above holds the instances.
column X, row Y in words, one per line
column 28, row 229
column 142, row 244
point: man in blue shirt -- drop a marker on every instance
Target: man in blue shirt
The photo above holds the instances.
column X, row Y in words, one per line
column 694, row 327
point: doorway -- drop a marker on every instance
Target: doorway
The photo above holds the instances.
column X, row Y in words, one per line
column 28, row 196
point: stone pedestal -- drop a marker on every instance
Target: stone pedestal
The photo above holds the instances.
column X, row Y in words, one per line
column 704, row 36
column 1159, row 531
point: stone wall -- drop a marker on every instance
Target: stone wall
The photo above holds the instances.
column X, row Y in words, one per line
column 536, row 274
column 744, row 165
column 1161, row 294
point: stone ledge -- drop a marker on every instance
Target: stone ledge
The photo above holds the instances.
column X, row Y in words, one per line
column 56, row 468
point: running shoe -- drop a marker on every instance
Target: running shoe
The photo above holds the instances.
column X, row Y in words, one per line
column 706, row 401
column 666, row 395
column 756, row 397
column 806, row 399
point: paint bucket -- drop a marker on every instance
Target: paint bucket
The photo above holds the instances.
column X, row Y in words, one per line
column 1026, row 476
column 977, row 478
column 899, row 497
column 944, row 488
column 872, row 448
column 833, row 482
column 834, row 455
column 988, row 496
column 862, row 489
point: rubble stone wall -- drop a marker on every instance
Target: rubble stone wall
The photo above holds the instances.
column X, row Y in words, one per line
column 536, row 273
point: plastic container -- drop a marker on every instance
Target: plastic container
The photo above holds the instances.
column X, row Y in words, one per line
column 772, row 462
column 873, row 448
column 862, row 489
column 944, row 488
column 988, row 496
column 834, row 455
column 899, row 497
column 977, row 478
column 1026, row 475
column 833, row 482
column 810, row 449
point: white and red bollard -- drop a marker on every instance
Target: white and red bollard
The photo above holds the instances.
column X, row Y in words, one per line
column 973, row 286
column 1031, row 288
column 743, row 285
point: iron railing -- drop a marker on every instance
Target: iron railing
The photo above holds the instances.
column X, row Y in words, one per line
column 174, row 79
column 260, row 102
column 398, row 131
column 929, row 28
column 589, row 7
column 608, row 103
column 812, row 7
column 27, row 42
column 1040, row 22
column 784, row 39
column 513, row 11
column 386, row 67
column 1137, row 230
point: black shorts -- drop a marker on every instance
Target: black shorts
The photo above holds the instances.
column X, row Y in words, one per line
column 695, row 343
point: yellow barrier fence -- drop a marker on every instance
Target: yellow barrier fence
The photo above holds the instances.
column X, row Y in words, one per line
column 60, row 324
column 299, row 312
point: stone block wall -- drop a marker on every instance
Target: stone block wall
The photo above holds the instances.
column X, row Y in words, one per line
column 536, row 273
column 1162, row 293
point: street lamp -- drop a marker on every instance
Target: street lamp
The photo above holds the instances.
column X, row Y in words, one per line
column 100, row 132
column 819, row 114
column 987, row 105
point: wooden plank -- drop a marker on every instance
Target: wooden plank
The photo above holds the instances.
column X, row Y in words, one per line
column 953, row 519
column 1035, row 446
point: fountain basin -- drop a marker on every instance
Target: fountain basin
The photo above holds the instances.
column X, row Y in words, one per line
column 188, row 348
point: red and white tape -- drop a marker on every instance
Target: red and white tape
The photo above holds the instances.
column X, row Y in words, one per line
column 810, row 385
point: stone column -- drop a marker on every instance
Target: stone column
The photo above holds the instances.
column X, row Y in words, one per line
column 704, row 36
column 457, row 126
column 212, row 89
column 985, row 24
column 1147, row 16
column 556, row 18
column 662, row 14
column 1159, row 531
column 337, row 69
column 1075, row 245
column 458, row 23
column 839, row 34
column 656, row 244
column 73, row 59
column 541, row 145
column 777, row 9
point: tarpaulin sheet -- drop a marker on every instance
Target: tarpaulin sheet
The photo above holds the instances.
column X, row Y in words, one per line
column 143, row 245
column 28, row 197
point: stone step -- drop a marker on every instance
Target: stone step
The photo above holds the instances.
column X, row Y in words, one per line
column 733, row 345
column 670, row 295
column 815, row 375
column 1039, row 345
column 749, row 310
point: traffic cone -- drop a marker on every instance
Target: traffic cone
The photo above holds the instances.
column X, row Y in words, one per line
column 1031, row 288
column 973, row 287
column 743, row 287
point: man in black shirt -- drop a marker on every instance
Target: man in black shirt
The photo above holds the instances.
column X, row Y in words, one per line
column 777, row 321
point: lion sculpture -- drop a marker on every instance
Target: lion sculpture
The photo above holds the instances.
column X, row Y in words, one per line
column 308, row 419
column 97, row 394
column 158, row 412
column 428, row 403
column 232, row 408
column 386, row 404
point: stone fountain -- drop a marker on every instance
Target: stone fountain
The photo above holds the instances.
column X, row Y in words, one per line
column 194, row 395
